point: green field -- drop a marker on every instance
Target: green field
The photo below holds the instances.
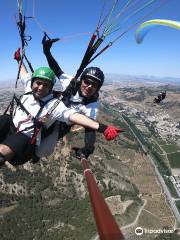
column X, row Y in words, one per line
column 171, row 188
column 160, row 141
column 169, row 148
column 178, row 205
column 157, row 148
column 174, row 160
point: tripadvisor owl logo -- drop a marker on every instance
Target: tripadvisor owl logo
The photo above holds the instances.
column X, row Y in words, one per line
column 139, row 231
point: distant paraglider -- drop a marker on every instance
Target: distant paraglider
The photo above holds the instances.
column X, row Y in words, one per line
column 142, row 31
column 145, row 27
column 160, row 97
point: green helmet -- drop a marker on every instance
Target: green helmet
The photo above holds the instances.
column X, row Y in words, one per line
column 44, row 73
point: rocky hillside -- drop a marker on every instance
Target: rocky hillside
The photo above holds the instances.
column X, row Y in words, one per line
column 49, row 199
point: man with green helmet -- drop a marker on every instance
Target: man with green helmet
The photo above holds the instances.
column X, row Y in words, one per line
column 42, row 82
column 35, row 118
column 20, row 132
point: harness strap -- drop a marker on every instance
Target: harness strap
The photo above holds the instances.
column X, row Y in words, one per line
column 10, row 107
column 23, row 121
column 54, row 105
column 37, row 129
column 21, row 106
column 38, row 125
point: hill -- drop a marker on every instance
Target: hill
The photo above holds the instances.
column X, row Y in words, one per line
column 49, row 200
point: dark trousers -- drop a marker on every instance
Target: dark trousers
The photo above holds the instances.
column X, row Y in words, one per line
column 5, row 123
column 19, row 143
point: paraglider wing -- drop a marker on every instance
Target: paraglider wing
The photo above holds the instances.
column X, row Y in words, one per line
column 145, row 27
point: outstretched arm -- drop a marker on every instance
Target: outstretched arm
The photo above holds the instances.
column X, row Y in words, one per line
column 47, row 44
column 84, row 121
column 110, row 132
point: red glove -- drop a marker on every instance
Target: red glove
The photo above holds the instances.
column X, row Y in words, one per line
column 110, row 132
column 17, row 55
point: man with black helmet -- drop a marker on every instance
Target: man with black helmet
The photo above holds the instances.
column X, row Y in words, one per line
column 83, row 96
column 91, row 81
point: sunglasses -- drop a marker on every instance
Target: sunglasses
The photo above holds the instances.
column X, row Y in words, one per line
column 90, row 82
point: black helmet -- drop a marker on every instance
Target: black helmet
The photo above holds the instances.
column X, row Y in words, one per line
column 94, row 73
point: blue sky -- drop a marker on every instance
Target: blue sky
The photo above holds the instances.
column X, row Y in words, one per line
column 158, row 55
